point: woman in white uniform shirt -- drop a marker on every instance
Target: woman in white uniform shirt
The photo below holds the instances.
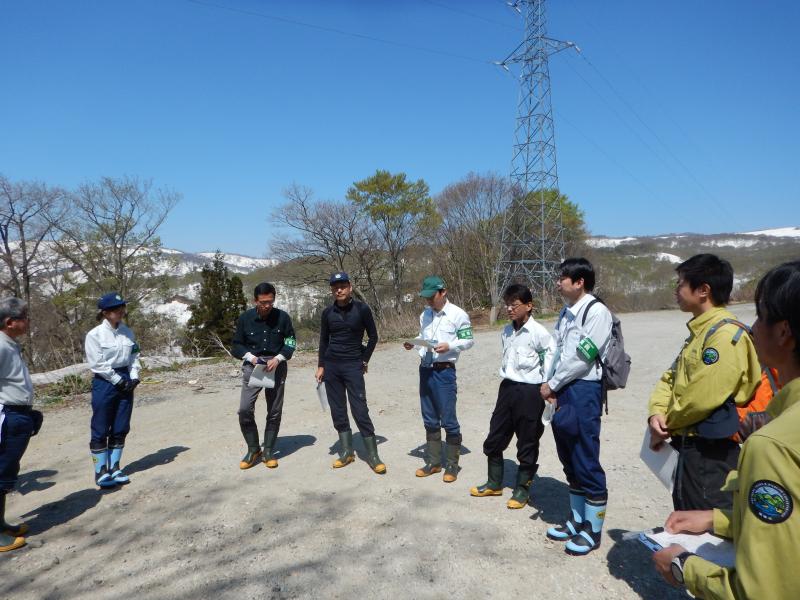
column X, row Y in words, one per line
column 113, row 355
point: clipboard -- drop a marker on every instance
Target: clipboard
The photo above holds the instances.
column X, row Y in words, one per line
column 261, row 378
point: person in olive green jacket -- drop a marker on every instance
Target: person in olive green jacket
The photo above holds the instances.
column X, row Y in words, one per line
column 764, row 523
column 694, row 403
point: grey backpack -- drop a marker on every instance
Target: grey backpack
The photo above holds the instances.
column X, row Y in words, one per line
column 616, row 364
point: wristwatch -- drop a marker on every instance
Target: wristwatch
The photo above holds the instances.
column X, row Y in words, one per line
column 677, row 565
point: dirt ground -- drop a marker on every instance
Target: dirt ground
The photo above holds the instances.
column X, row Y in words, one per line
column 192, row 525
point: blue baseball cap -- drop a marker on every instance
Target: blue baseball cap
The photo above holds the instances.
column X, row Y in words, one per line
column 110, row 300
column 340, row 277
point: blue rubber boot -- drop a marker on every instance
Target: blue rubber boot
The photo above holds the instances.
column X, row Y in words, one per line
column 117, row 474
column 588, row 538
column 572, row 526
column 102, row 477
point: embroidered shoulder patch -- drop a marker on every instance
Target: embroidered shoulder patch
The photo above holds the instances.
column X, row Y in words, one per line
column 770, row 502
column 710, row 356
column 290, row 341
column 465, row 333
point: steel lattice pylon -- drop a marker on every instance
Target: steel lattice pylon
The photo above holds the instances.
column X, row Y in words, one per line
column 532, row 243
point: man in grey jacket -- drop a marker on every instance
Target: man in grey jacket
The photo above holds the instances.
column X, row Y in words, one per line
column 18, row 420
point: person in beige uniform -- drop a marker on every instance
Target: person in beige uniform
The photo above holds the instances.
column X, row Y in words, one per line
column 764, row 523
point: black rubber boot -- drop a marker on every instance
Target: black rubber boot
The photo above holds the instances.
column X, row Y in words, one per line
column 253, row 449
column 452, row 452
column 346, row 454
column 433, row 454
column 519, row 498
column 270, row 437
column 374, row 461
column 494, row 482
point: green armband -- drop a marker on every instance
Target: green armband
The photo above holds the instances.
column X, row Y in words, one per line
column 465, row 333
column 290, row 342
column 587, row 349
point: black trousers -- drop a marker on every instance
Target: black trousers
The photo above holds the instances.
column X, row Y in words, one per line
column 703, row 466
column 518, row 412
column 344, row 380
column 274, row 396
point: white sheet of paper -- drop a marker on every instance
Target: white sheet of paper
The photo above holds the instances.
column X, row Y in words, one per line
column 547, row 415
column 260, row 377
column 420, row 342
column 322, row 394
column 706, row 545
column 661, row 462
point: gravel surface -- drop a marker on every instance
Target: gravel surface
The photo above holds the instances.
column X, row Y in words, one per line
column 192, row 525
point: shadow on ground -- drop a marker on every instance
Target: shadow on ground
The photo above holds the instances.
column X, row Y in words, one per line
column 631, row 562
column 289, row 444
column 162, row 457
column 65, row 510
column 551, row 498
column 419, row 451
column 30, row 481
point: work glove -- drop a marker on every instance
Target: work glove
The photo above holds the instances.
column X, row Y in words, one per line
column 752, row 423
column 132, row 384
column 38, row 418
column 122, row 386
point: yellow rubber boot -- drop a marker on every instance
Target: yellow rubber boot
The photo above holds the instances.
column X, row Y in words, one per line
column 494, row 482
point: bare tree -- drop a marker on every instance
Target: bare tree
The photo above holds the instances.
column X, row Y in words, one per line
column 110, row 234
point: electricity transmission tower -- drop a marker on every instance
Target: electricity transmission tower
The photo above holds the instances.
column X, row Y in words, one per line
column 532, row 243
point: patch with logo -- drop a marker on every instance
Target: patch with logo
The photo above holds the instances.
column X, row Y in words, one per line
column 770, row 501
column 465, row 333
column 135, row 349
column 710, row 356
column 290, row 341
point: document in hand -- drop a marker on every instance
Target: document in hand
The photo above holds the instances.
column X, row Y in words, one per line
column 706, row 545
column 661, row 462
column 322, row 394
column 420, row 342
column 260, row 377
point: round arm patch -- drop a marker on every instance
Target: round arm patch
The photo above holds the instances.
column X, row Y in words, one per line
column 770, row 502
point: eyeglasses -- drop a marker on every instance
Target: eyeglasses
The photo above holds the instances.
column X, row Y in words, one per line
column 515, row 306
column 265, row 302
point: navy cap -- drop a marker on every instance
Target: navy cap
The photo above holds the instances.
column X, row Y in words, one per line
column 110, row 300
column 340, row 277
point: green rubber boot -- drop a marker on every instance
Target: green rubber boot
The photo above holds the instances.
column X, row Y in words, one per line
column 433, row 454
column 373, row 459
column 253, row 449
column 519, row 498
column 494, row 483
column 346, row 455
column 270, row 437
column 452, row 452
column 10, row 535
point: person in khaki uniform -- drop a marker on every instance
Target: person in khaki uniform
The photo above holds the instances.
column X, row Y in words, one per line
column 764, row 523
column 694, row 403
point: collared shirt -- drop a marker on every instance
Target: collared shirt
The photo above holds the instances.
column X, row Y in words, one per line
column 16, row 388
column 707, row 372
column 108, row 349
column 341, row 336
column 764, row 522
column 527, row 352
column 568, row 363
column 272, row 336
column 451, row 325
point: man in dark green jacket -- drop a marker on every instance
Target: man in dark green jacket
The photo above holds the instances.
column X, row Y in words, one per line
column 264, row 336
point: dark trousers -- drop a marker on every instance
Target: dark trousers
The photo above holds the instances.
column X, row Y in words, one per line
column 518, row 412
column 16, row 429
column 111, row 414
column 438, row 393
column 274, row 396
column 576, row 429
column 703, row 466
column 344, row 380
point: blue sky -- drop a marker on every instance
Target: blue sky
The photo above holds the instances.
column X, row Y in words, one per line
column 681, row 116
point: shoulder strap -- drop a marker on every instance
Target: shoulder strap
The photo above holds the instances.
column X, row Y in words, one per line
column 586, row 310
column 772, row 383
column 728, row 321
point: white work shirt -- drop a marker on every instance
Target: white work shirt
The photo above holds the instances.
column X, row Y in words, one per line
column 568, row 363
column 16, row 388
column 108, row 349
column 451, row 325
column 527, row 352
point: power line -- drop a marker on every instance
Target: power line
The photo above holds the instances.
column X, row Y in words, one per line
column 343, row 32
column 471, row 14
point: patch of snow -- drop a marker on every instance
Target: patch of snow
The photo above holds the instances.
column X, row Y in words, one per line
column 732, row 243
column 240, row 263
column 604, row 242
column 669, row 257
column 777, row 232
column 175, row 310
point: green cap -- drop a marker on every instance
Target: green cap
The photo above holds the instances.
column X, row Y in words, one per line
column 431, row 285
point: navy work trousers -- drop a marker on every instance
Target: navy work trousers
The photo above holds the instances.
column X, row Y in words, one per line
column 344, row 381
column 576, row 429
column 111, row 414
column 437, row 398
column 16, row 429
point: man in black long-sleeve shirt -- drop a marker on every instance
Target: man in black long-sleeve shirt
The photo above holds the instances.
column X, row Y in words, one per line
column 342, row 364
column 264, row 335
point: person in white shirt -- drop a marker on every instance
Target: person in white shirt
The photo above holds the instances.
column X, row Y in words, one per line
column 113, row 356
column 575, row 387
column 448, row 331
column 527, row 354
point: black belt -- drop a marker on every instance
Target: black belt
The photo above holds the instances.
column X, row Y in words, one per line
column 17, row 408
column 441, row 366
